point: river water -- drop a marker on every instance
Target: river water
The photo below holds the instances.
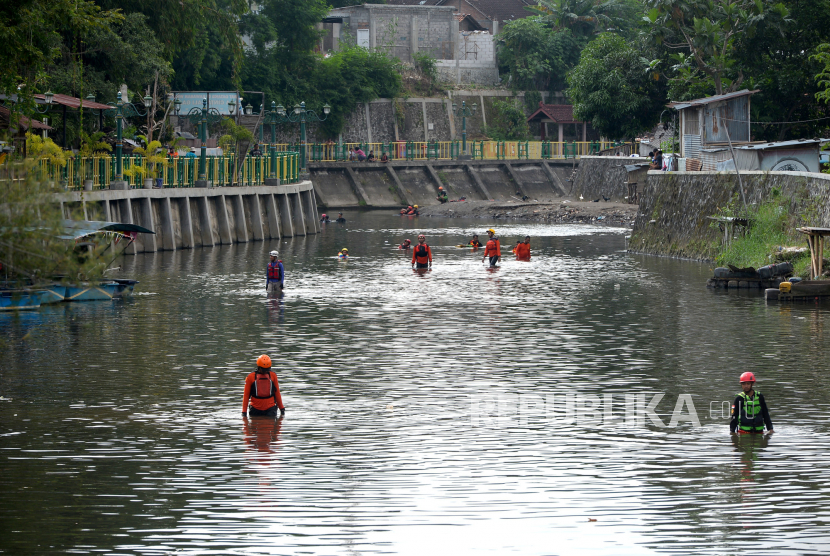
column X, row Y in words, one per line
column 457, row 411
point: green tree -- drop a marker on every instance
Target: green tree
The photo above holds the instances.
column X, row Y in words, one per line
column 535, row 56
column 781, row 63
column 586, row 18
column 708, row 35
column 615, row 88
column 31, row 32
column 30, row 230
column 508, row 121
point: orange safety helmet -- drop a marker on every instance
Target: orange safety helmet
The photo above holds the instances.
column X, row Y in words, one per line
column 263, row 361
column 747, row 377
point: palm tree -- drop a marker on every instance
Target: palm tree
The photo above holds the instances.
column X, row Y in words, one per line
column 581, row 17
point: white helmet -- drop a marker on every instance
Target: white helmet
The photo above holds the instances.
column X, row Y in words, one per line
column 274, row 253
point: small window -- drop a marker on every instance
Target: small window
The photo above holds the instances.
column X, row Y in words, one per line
column 363, row 38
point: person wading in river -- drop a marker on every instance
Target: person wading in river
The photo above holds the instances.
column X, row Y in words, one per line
column 523, row 250
column 749, row 412
column 422, row 254
column 262, row 390
column 275, row 275
column 493, row 248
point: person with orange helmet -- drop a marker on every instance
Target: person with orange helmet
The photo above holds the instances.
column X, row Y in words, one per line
column 262, row 390
column 442, row 194
column 422, row 254
column 749, row 412
column 493, row 248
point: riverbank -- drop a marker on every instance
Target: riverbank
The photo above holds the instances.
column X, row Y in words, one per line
column 565, row 211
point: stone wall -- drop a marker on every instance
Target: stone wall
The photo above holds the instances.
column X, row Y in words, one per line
column 376, row 122
column 674, row 206
column 598, row 177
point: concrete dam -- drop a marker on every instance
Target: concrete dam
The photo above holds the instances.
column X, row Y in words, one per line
column 401, row 183
column 194, row 217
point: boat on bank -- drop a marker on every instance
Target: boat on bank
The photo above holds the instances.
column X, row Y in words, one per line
column 85, row 235
column 19, row 300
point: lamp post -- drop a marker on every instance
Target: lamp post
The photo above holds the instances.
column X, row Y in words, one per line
column 464, row 112
column 121, row 110
column 300, row 114
column 273, row 116
column 202, row 116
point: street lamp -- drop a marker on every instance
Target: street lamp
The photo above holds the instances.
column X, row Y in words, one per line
column 121, row 110
column 202, row 116
column 47, row 96
column 464, row 112
column 300, row 114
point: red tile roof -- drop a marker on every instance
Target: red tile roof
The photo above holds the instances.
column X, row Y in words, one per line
column 559, row 113
column 74, row 102
column 24, row 122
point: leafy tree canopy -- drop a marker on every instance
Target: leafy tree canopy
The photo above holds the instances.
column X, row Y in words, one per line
column 615, row 88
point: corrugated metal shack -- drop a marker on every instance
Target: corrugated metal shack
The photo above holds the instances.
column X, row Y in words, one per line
column 781, row 156
column 707, row 124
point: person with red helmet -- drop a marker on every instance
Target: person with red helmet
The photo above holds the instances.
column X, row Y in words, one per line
column 749, row 412
column 262, row 390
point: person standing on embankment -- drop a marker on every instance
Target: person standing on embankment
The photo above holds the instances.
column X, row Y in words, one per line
column 749, row 412
column 492, row 249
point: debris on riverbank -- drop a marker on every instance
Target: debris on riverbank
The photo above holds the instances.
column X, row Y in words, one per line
column 565, row 211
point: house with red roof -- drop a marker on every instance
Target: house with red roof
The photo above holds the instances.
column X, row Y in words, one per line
column 557, row 123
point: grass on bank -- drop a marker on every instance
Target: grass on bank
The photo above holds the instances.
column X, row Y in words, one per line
column 772, row 226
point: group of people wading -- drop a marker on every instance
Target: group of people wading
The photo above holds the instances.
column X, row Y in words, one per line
column 422, row 253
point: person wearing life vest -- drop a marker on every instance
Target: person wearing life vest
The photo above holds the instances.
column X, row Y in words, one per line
column 262, row 390
column 749, row 412
column 475, row 243
column 407, row 243
column 275, row 274
column 442, row 195
column 493, row 248
column 422, row 254
column 523, row 250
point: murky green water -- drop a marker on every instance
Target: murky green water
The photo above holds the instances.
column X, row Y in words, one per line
column 427, row 413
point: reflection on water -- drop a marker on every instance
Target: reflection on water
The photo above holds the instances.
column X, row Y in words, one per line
column 122, row 432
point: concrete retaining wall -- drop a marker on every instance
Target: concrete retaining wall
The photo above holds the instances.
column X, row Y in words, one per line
column 605, row 176
column 186, row 218
column 398, row 183
column 674, row 206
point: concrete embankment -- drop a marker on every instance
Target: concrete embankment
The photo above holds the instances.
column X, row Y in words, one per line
column 605, row 177
column 191, row 217
column 674, row 206
column 565, row 211
column 401, row 183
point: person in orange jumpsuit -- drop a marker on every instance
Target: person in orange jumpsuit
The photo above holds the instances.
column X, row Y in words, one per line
column 422, row 254
column 523, row 250
column 262, row 390
column 493, row 248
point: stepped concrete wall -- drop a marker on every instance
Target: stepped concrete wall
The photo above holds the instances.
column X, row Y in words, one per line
column 193, row 217
column 401, row 183
column 674, row 206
